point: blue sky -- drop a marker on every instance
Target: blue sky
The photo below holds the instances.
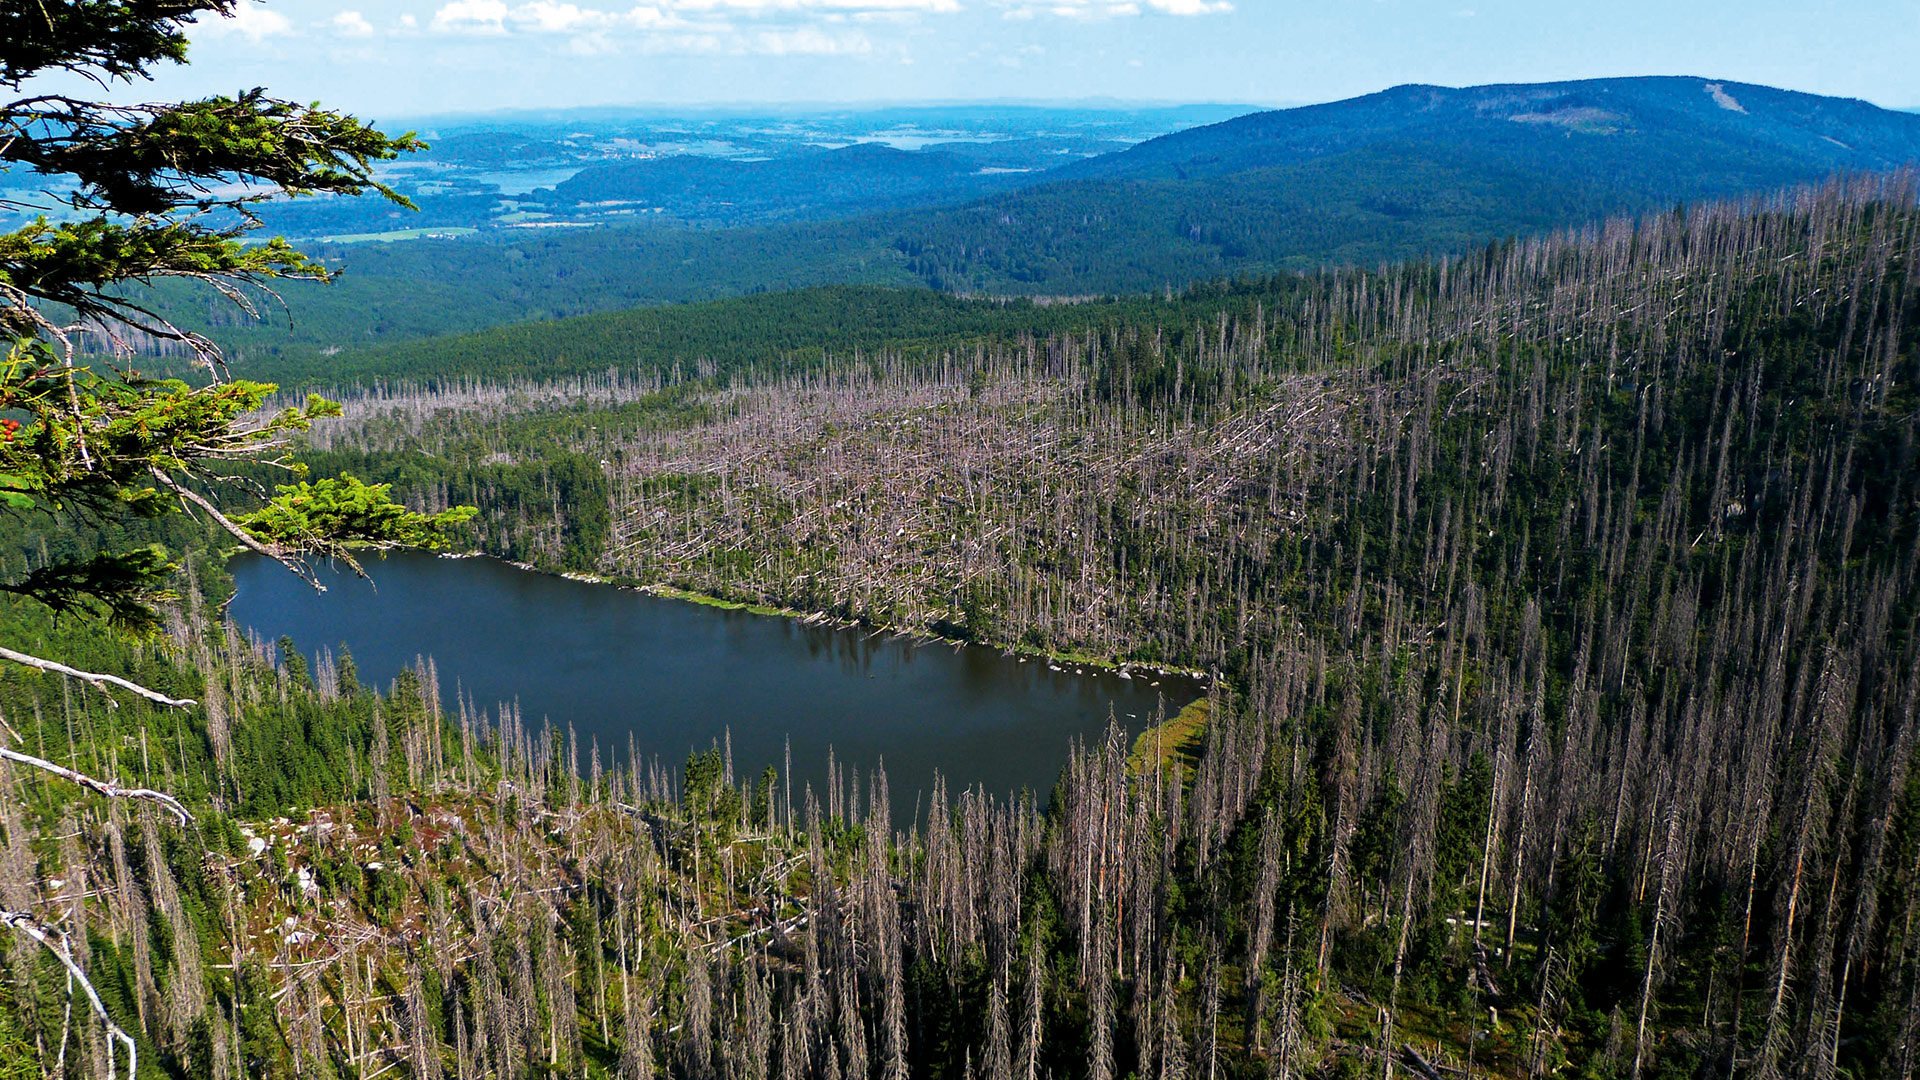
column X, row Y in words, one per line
column 400, row 58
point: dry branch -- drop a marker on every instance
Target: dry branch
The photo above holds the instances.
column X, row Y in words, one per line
column 55, row 942
column 108, row 788
column 94, row 679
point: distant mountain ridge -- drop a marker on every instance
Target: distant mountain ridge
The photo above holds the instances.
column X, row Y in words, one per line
column 1409, row 171
column 1792, row 128
column 1638, row 137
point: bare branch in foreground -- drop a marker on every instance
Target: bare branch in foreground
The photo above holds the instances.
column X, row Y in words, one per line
column 105, row 787
column 95, row 679
column 55, row 942
column 246, row 538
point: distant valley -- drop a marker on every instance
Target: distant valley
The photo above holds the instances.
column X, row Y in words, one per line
column 1407, row 172
column 592, row 167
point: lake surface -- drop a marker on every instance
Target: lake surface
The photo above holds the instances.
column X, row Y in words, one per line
column 677, row 676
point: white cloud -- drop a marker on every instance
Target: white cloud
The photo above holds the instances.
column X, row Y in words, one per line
column 549, row 17
column 1191, row 7
column 552, row 18
column 771, row 27
column 472, row 16
column 252, row 22
column 705, row 43
column 1111, row 9
column 351, row 24
column 556, row 17
column 789, row 7
column 808, row 41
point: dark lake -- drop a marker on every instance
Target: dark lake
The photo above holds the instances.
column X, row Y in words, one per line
column 676, row 676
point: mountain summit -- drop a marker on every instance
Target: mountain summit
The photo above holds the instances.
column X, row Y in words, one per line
column 1411, row 171
column 1664, row 122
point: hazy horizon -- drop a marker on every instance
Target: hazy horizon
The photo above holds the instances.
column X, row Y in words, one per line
column 456, row 57
column 750, row 108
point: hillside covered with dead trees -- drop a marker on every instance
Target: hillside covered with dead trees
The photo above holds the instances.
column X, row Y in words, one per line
column 1563, row 599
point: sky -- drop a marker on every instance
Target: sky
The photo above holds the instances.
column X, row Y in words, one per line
column 413, row 58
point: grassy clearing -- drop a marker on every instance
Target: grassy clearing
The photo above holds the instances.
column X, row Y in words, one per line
column 397, row 235
column 1176, row 741
column 671, row 593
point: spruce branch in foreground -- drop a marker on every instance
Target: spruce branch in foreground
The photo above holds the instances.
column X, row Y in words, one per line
column 156, row 191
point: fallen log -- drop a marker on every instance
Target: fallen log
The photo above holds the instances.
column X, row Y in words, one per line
column 1427, row 1068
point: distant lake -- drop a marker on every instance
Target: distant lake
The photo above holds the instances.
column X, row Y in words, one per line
column 677, row 676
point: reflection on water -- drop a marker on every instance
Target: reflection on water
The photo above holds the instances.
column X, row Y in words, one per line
column 674, row 677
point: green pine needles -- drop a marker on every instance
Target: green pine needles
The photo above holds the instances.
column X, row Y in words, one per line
column 151, row 198
column 153, row 192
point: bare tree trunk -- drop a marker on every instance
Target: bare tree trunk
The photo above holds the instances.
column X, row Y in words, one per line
column 1671, row 864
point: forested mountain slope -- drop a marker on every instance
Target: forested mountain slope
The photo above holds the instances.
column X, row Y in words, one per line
column 841, row 182
column 765, row 332
column 1409, row 171
column 1564, row 598
column 391, row 293
column 1667, row 126
column 769, row 331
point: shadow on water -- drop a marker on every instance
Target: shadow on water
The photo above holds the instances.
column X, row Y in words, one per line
column 675, row 677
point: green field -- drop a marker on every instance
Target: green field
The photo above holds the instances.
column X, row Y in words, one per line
column 399, row 234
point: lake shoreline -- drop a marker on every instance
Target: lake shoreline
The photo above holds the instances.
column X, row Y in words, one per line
column 650, row 680
column 1125, row 669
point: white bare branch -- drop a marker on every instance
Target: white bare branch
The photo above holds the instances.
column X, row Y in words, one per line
column 95, row 679
column 55, row 942
column 247, row 540
column 108, row 788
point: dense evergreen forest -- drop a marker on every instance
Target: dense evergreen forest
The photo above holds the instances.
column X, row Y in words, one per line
column 1563, row 597
column 698, row 341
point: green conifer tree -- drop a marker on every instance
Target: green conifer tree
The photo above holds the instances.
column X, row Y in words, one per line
column 144, row 193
